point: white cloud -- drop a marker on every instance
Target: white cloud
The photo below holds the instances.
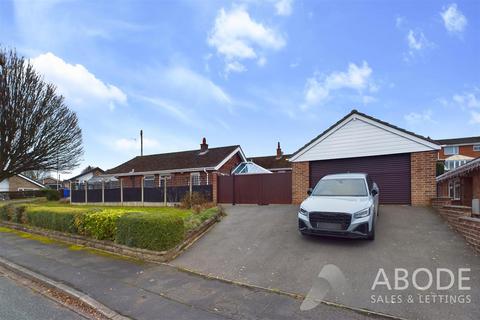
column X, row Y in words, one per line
column 79, row 86
column 319, row 89
column 237, row 36
column 234, row 66
column 415, row 118
column 453, row 19
column 475, row 117
column 284, row 7
column 399, row 22
column 467, row 100
column 417, row 42
column 171, row 108
column 194, row 84
column 125, row 144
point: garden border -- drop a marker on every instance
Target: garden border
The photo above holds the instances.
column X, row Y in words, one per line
column 111, row 247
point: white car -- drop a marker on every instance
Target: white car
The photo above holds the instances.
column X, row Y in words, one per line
column 342, row 205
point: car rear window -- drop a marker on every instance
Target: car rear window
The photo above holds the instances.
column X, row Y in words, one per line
column 341, row 187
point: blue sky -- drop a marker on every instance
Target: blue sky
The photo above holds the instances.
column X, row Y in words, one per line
column 250, row 72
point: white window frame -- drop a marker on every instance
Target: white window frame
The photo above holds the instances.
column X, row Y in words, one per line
column 451, row 189
column 149, row 178
column 455, row 148
column 454, row 189
column 476, row 147
column 195, row 178
column 26, row 189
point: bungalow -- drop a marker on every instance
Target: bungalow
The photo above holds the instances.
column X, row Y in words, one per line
column 87, row 174
column 19, row 183
column 277, row 163
column 195, row 167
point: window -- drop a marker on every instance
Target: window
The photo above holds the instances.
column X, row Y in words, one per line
column 195, row 178
column 476, row 147
column 453, row 164
column 450, row 150
column 454, row 189
column 149, row 181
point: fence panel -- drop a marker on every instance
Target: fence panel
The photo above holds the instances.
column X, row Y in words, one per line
column 112, row 195
column 78, row 195
column 94, row 195
column 132, row 194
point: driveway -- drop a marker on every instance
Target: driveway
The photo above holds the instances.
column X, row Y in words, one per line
column 260, row 245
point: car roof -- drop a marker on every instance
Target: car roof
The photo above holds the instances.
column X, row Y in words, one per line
column 345, row 176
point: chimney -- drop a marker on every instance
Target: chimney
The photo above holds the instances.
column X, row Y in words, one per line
column 279, row 151
column 204, row 146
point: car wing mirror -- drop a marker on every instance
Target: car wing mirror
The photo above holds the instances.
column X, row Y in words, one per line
column 374, row 192
column 309, row 191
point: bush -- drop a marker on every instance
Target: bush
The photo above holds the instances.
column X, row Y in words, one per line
column 13, row 213
column 54, row 218
column 150, row 231
column 100, row 225
column 52, row 195
column 197, row 199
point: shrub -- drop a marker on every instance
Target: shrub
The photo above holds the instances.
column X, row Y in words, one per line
column 51, row 195
column 54, row 218
column 150, row 230
column 197, row 199
column 99, row 224
column 13, row 213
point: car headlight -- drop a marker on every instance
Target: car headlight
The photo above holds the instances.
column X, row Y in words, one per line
column 303, row 212
column 361, row 214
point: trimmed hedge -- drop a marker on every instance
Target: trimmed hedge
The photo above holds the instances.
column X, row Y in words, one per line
column 101, row 224
column 13, row 213
column 150, row 231
column 53, row 218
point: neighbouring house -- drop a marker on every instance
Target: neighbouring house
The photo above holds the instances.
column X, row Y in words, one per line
column 461, row 185
column 87, row 174
column 402, row 163
column 249, row 167
column 52, row 183
column 183, row 168
column 276, row 163
column 19, row 182
column 458, row 151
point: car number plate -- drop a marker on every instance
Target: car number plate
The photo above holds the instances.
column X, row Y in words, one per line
column 329, row 226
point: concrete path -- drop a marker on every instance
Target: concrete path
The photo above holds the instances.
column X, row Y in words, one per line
column 150, row 291
column 18, row 302
column 260, row 245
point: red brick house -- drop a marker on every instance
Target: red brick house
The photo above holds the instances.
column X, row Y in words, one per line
column 460, row 185
column 401, row 162
column 458, row 151
column 200, row 167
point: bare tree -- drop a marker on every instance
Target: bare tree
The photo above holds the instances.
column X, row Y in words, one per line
column 37, row 130
column 36, row 175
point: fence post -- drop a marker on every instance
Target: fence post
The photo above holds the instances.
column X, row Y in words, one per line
column 191, row 187
column 71, row 192
column 121, row 191
column 103, row 191
column 164, row 191
column 233, row 187
column 142, row 182
column 86, row 191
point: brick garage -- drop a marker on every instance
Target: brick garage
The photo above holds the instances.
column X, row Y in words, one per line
column 402, row 163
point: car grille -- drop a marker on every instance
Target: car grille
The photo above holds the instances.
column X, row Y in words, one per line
column 341, row 219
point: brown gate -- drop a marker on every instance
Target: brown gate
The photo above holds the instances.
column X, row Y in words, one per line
column 275, row 188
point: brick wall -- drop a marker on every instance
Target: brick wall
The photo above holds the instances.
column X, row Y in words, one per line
column 300, row 181
column 423, row 185
column 230, row 164
column 459, row 218
column 16, row 182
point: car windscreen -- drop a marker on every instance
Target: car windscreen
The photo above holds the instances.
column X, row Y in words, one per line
column 341, row 187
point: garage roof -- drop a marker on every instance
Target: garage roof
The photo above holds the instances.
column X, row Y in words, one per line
column 360, row 135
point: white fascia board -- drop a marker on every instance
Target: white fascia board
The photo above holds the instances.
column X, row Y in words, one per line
column 32, row 181
column 242, row 155
column 428, row 144
column 160, row 172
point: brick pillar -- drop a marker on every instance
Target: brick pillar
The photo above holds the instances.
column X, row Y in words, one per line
column 422, row 170
column 300, row 181
column 214, row 178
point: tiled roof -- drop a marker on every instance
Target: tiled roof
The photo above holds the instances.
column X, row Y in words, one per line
column 271, row 162
column 454, row 141
column 175, row 160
